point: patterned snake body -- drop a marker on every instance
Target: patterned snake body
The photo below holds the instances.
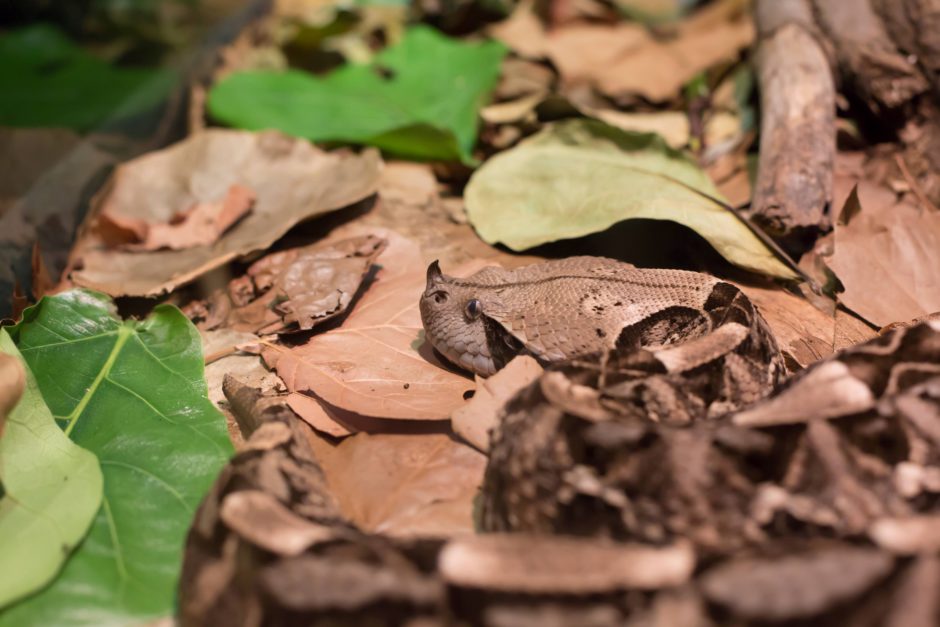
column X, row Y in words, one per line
column 568, row 308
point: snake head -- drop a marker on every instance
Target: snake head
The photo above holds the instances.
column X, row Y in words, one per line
column 452, row 315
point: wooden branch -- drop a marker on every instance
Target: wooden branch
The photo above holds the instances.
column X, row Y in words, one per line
column 880, row 75
column 797, row 151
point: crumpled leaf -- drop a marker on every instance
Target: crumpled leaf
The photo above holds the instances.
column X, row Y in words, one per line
column 474, row 420
column 581, row 177
column 51, row 486
column 48, row 81
column 405, row 485
column 292, row 180
column 887, row 258
column 802, row 331
column 377, row 363
column 625, row 58
column 199, row 225
column 303, row 287
column 427, row 107
column 133, row 394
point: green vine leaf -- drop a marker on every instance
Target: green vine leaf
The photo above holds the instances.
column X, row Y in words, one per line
column 133, row 394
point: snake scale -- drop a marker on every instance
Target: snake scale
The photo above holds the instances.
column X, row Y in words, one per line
column 679, row 321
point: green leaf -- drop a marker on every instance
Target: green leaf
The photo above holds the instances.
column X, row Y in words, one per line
column 51, row 492
column 418, row 99
column 582, row 176
column 132, row 393
column 48, row 81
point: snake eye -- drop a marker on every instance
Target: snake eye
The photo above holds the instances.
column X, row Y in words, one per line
column 440, row 297
column 474, row 309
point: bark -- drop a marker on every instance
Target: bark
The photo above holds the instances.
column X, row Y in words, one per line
column 914, row 25
column 881, row 76
column 794, row 179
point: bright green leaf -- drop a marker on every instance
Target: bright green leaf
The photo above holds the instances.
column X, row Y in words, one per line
column 582, row 176
column 51, row 492
column 132, row 393
column 48, row 81
column 418, row 99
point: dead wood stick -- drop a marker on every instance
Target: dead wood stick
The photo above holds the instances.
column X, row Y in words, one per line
column 881, row 76
column 794, row 177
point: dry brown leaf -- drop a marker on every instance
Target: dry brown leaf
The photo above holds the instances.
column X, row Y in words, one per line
column 474, row 420
column 405, row 485
column 888, row 260
column 12, row 384
column 318, row 416
column 625, row 58
column 293, row 181
column 200, row 224
column 805, row 333
column 522, row 31
column 378, row 363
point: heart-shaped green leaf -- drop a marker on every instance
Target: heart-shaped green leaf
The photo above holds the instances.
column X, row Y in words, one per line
column 417, row 99
column 582, row 176
column 51, row 492
column 133, row 394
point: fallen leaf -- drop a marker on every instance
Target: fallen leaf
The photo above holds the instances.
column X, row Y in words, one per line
column 625, row 58
column 405, row 485
column 318, row 416
column 12, row 383
column 522, row 31
column 51, row 486
column 474, row 420
column 581, row 177
column 377, row 363
column 292, row 179
column 312, row 284
column 133, row 394
column 426, row 109
column 803, row 332
column 888, row 260
column 199, row 225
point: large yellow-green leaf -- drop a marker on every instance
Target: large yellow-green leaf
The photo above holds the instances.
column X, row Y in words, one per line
column 51, row 491
column 582, row 176
column 132, row 393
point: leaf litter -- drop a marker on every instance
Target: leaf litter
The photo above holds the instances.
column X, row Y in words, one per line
column 379, row 447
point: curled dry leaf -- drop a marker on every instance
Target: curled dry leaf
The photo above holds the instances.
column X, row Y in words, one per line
column 474, row 420
column 291, row 179
column 581, row 176
column 200, row 224
column 377, row 363
column 888, row 260
column 318, row 416
column 405, row 485
column 626, row 58
column 797, row 586
column 562, row 564
column 803, row 332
